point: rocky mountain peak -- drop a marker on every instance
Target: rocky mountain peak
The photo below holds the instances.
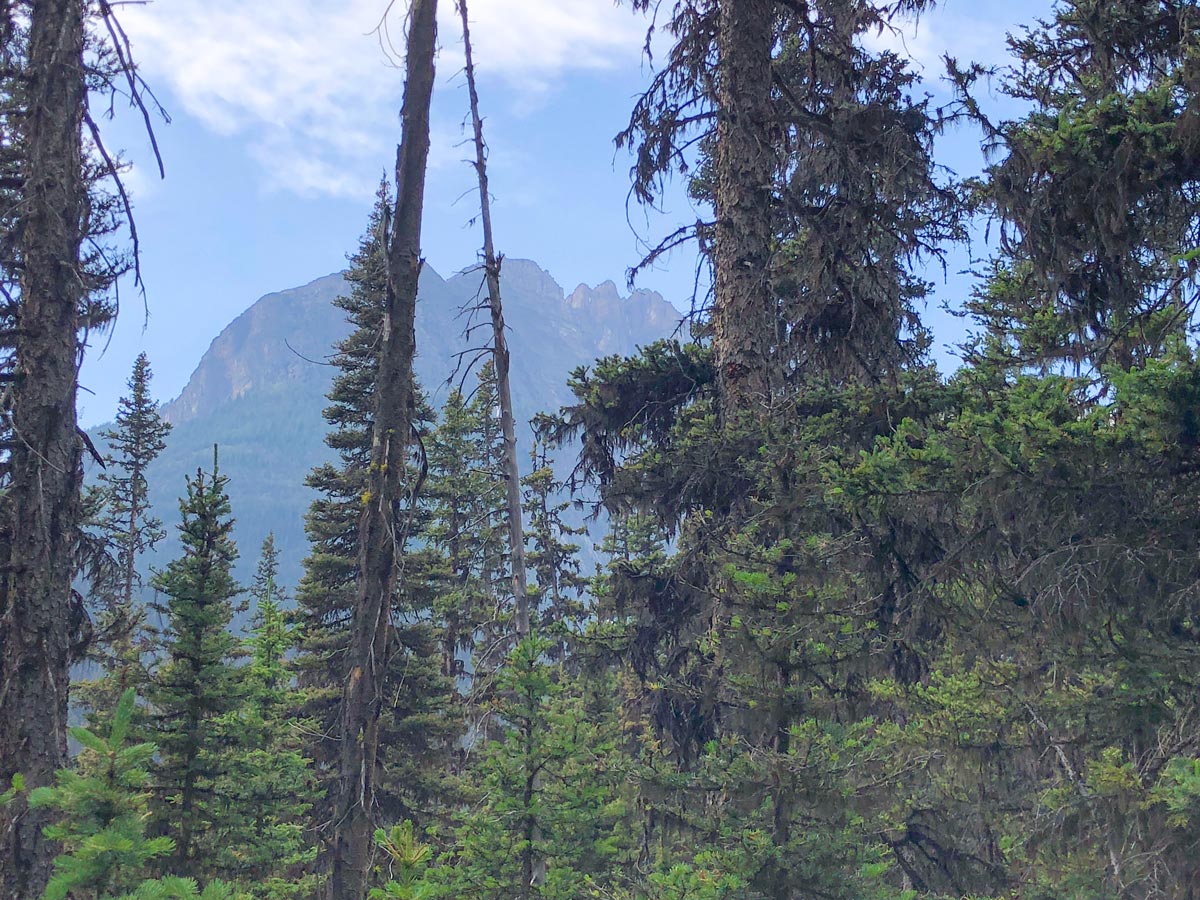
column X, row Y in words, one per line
column 260, row 388
column 528, row 279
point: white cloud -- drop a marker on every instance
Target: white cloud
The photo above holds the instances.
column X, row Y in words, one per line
column 979, row 37
column 912, row 39
column 308, row 86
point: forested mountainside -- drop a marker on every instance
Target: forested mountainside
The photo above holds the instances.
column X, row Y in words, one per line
column 260, row 389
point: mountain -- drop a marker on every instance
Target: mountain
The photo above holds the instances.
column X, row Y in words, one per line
column 260, row 388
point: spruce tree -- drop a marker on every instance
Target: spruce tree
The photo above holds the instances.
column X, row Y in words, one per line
column 197, row 683
column 137, row 439
column 816, row 158
column 467, row 505
column 546, row 815
column 559, row 586
column 1093, row 188
column 416, row 733
column 125, row 522
column 103, row 803
column 266, row 787
column 271, row 635
column 40, row 509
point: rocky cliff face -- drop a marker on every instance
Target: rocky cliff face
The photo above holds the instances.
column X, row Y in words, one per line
column 620, row 321
column 259, row 390
column 281, row 338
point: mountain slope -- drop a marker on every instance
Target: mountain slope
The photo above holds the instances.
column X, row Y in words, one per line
column 259, row 390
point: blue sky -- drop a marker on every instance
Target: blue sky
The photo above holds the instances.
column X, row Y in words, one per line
column 284, row 116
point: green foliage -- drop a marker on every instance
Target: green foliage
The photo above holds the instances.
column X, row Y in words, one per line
column 407, row 859
column 197, row 685
column 137, row 439
column 416, row 732
column 1088, row 278
column 266, row 785
column 103, row 810
column 171, row 887
column 557, row 586
column 1178, row 788
column 979, row 591
column 16, row 786
column 231, row 784
column 545, row 809
column 467, row 528
column 891, row 636
column 271, row 634
column 122, row 520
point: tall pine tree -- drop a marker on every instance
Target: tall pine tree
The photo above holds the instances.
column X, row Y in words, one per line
column 126, row 523
column 416, row 735
column 197, row 683
column 266, row 787
column 557, row 595
column 466, row 494
column 137, row 438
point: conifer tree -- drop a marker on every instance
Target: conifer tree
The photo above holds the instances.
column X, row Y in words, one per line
column 266, row 787
column 382, row 529
column 271, row 635
column 1093, row 188
column 745, row 166
column 467, row 506
column 57, row 273
column 124, row 520
column 407, row 861
column 197, row 684
column 103, row 803
column 718, row 82
column 546, row 815
column 41, row 512
column 137, row 439
column 416, row 733
column 557, row 594
column 815, row 157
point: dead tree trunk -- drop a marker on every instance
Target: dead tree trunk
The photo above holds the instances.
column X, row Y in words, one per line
column 41, row 510
column 743, row 315
column 532, row 866
column 382, row 527
column 491, row 267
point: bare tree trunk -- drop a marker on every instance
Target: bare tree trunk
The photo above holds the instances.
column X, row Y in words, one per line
column 381, row 533
column 533, row 866
column 41, row 510
column 491, row 264
column 744, row 320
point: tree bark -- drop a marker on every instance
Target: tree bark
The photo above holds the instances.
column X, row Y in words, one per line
column 532, row 865
column 743, row 315
column 491, row 266
column 380, row 531
column 41, row 510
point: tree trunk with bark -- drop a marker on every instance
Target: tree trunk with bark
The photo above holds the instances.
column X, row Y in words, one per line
column 382, row 528
column 491, row 267
column 532, row 865
column 41, row 510
column 743, row 315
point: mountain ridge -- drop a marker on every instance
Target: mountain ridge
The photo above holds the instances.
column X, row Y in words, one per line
column 259, row 390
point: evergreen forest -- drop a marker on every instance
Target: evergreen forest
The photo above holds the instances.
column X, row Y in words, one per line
column 862, row 629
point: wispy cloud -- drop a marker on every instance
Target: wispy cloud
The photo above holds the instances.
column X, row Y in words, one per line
column 978, row 37
column 313, row 93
